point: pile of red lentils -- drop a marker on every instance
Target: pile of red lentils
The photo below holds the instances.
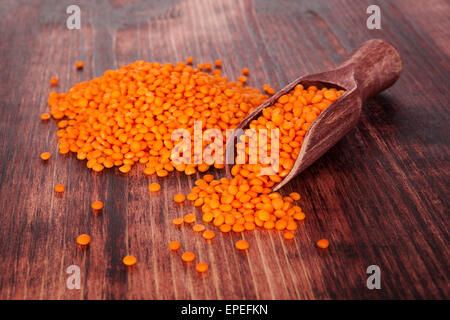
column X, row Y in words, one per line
column 127, row 116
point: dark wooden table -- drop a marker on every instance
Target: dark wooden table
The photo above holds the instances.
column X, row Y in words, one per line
column 380, row 195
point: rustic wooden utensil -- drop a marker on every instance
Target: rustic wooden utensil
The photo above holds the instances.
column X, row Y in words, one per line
column 371, row 68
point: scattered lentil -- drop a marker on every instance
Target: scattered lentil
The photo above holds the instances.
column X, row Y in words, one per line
column 268, row 89
column 323, row 243
column 45, row 116
column 198, row 227
column 179, row 198
column 174, row 245
column 97, row 205
column 225, row 228
column 188, row 256
column 201, row 267
column 60, row 188
column 45, row 155
column 177, row 221
column 208, row 234
column 295, row 196
column 242, row 245
column 190, row 218
column 153, row 187
column 288, row 235
column 83, row 239
column 129, row 261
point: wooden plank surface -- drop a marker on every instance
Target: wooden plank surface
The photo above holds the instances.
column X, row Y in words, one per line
column 380, row 195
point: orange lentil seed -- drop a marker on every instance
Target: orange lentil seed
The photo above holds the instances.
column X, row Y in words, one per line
column 201, row 267
column 295, row 196
column 242, row 245
column 178, row 221
column 208, row 234
column 97, row 205
column 198, row 227
column 268, row 89
column 299, row 216
column 129, row 260
column 323, row 243
column 45, row 155
column 225, row 228
column 190, row 218
column 153, row 187
column 179, row 198
column 288, row 235
column 174, row 245
column 188, row 256
column 83, row 239
column 60, row 188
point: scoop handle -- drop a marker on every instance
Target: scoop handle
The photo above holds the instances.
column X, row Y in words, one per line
column 375, row 65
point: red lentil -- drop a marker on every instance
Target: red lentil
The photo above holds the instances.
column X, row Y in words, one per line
column 242, row 245
column 60, row 188
column 174, row 245
column 188, row 256
column 153, row 187
column 201, row 267
column 323, row 243
column 45, row 155
column 83, row 239
column 97, row 205
column 129, row 261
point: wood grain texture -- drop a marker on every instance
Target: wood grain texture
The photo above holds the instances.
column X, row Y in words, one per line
column 380, row 195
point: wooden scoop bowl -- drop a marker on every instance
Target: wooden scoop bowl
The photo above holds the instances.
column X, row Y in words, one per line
column 371, row 68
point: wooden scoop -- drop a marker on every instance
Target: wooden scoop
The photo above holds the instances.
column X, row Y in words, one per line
column 371, row 68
